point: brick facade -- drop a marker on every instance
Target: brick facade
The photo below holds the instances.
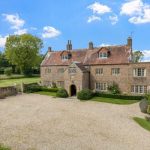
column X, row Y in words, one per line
column 96, row 67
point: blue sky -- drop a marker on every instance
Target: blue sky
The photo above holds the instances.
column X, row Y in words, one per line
column 105, row 22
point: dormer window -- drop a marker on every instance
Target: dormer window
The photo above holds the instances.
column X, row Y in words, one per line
column 64, row 57
column 103, row 55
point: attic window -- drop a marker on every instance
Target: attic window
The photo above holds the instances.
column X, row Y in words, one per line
column 64, row 57
column 103, row 55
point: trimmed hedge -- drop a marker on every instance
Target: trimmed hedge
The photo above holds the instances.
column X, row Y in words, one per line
column 34, row 87
column 2, row 147
column 118, row 96
column 85, row 94
column 62, row 93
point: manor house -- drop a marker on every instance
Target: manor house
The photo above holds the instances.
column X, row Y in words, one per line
column 95, row 68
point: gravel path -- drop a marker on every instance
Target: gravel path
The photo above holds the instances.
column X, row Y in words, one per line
column 36, row 122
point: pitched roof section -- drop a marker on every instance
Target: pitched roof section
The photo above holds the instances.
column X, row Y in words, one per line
column 118, row 55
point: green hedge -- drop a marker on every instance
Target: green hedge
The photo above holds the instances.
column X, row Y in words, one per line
column 34, row 87
column 62, row 93
column 118, row 96
column 2, row 147
column 85, row 94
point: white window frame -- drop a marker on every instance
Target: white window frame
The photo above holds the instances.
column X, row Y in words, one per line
column 138, row 89
column 103, row 55
column 139, row 72
column 64, row 57
column 99, row 71
column 101, row 86
column 115, row 71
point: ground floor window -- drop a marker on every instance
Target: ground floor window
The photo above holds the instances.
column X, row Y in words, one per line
column 101, row 86
column 139, row 89
column 47, row 83
column 60, row 84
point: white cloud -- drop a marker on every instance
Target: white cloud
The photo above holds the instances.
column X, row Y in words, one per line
column 146, row 55
column 99, row 8
column 14, row 20
column 50, row 32
column 20, row 31
column 138, row 11
column 93, row 18
column 3, row 41
column 105, row 45
column 113, row 19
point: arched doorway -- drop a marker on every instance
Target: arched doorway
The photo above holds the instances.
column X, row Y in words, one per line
column 73, row 90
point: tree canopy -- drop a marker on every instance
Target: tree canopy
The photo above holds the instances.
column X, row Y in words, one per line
column 23, row 51
column 137, row 56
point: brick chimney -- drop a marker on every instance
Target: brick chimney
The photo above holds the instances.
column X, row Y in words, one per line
column 49, row 49
column 69, row 45
column 129, row 42
column 91, row 45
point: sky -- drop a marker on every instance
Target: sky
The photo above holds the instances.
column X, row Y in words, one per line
column 104, row 22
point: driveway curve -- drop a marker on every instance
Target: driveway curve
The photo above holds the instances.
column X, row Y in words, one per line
column 37, row 122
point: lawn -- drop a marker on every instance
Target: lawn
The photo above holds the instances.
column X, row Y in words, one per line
column 143, row 123
column 114, row 101
column 11, row 82
column 46, row 93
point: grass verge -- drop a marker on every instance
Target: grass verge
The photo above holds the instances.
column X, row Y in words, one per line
column 114, row 101
column 11, row 82
column 143, row 123
column 2, row 147
column 46, row 93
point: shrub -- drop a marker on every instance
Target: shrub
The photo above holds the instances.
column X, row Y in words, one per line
column 147, row 118
column 49, row 89
column 31, row 88
column 147, row 97
column 118, row 96
column 114, row 88
column 8, row 71
column 85, row 94
column 62, row 93
column 2, row 147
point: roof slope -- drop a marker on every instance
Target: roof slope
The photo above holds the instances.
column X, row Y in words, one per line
column 118, row 55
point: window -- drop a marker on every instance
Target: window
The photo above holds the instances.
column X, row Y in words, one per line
column 115, row 71
column 47, row 70
column 103, row 55
column 64, row 57
column 47, row 83
column 139, row 72
column 99, row 71
column 101, row 86
column 60, row 84
column 139, row 89
column 72, row 70
column 60, row 70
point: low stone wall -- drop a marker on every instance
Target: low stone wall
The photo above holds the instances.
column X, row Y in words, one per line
column 7, row 91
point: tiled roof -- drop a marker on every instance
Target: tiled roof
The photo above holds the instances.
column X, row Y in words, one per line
column 118, row 55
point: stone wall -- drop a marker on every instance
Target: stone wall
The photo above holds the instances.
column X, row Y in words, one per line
column 7, row 91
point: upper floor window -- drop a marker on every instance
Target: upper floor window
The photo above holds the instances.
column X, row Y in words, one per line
column 101, row 86
column 115, row 71
column 103, row 55
column 99, row 71
column 60, row 70
column 47, row 70
column 139, row 72
column 64, row 57
column 72, row 70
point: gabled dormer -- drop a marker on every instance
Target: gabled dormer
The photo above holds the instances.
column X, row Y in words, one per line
column 65, row 55
column 104, row 53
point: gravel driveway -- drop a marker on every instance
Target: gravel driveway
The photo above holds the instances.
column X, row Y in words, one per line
column 36, row 122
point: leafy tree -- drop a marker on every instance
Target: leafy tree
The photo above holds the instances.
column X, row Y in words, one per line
column 23, row 51
column 137, row 56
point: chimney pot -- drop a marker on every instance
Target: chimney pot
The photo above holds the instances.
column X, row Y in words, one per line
column 49, row 49
column 91, row 45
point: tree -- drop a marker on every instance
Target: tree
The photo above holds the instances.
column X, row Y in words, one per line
column 23, row 51
column 137, row 56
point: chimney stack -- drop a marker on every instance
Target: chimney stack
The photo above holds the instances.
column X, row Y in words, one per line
column 69, row 45
column 49, row 49
column 129, row 42
column 91, row 45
